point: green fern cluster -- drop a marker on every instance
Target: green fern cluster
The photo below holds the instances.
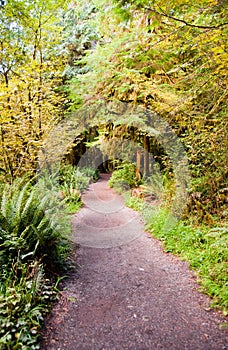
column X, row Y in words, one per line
column 124, row 177
column 76, row 178
column 29, row 226
column 73, row 182
column 32, row 242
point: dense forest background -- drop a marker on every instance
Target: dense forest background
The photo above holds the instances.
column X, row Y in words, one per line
column 169, row 57
column 61, row 59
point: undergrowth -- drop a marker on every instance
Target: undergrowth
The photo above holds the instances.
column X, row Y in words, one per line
column 205, row 248
column 34, row 250
column 124, row 177
column 73, row 182
column 33, row 244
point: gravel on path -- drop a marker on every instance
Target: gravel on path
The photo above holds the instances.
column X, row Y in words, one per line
column 129, row 295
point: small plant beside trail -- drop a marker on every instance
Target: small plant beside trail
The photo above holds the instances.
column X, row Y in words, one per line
column 204, row 247
column 125, row 177
column 34, row 250
column 33, row 242
column 73, row 182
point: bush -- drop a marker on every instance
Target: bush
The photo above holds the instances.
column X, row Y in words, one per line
column 124, row 177
column 30, row 225
column 73, row 182
column 31, row 243
column 70, row 176
column 91, row 173
column 24, row 294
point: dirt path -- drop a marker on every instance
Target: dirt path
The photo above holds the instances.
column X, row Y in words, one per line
column 129, row 295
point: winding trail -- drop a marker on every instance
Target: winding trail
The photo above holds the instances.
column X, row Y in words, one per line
column 127, row 293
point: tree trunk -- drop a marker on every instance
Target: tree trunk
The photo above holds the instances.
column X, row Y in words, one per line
column 138, row 164
column 146, row 155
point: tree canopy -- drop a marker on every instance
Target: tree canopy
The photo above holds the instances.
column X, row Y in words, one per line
column 168, row 57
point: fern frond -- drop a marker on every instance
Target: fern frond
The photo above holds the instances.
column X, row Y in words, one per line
column 20, row 198
column 4, row 202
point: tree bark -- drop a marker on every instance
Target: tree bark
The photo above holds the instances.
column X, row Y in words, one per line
column 146, row 155
column 138, row 164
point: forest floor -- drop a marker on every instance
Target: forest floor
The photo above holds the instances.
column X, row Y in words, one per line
column 126, row 292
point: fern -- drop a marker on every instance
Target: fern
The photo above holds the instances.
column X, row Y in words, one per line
column 29, row 224
column 4, row 202
column 20, row 200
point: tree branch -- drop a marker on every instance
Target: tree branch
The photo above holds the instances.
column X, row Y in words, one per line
column 183, row 21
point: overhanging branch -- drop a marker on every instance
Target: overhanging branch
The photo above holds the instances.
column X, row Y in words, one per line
column 183, row 21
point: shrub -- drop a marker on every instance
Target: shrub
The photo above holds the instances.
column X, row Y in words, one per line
column 30, row 225
column 24, row 294
column 70, row 176
column 73, row 182
column 124, row 177
column 135, row 203
column 33, row 244
column 91, row 173
column 32, row 241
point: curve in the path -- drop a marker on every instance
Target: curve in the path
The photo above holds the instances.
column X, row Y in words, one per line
column 130, row 296
column 104, row 221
